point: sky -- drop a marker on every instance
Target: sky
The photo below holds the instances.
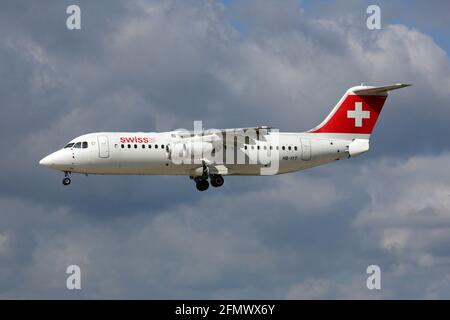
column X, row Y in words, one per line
column 159, row 65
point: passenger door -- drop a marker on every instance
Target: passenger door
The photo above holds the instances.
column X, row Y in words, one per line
column 103, row 147
column 306, row 149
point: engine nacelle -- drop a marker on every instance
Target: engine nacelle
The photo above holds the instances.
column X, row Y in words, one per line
column 185, row 152
column 177, row 150
column 199, row 149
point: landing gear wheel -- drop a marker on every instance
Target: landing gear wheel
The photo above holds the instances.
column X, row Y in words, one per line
column 216, row 180
column 202, row 185
column 66, row 181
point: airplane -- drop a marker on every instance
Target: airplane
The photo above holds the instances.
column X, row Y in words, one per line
column 208, row 155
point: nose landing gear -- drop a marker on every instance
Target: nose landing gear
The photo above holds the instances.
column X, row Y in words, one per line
column 66, row 181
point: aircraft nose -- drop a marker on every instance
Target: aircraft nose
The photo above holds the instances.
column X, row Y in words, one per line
column 46, row 161
column 52, row 160
column 58, row 160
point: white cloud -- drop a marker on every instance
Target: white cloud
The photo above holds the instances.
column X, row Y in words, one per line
column 418, row 193
column 354, row 288
column 163, row 65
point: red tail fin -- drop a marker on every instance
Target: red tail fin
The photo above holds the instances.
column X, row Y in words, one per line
column 357, row 112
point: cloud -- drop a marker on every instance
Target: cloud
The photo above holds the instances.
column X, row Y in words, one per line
column 412, row 219
column 328, row 289
column 419, row 193
column 150, row 66
column 227, row 247
column 168, row 253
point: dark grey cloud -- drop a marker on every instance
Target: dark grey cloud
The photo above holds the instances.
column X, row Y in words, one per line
column 159, row 65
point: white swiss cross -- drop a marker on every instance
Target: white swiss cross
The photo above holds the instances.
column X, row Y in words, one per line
column 358, row 114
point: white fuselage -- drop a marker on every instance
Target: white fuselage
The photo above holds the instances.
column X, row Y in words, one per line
column 208, row 155
column 142, row 153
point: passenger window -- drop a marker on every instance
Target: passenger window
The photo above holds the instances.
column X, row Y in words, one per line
column 143, row 146
column 129, row 146
column 77, row 145
column 270, row 147
column 289, row 148
column 85, row 145
column 257, row 147
column 135, row 146
column 149, row 146
column 295, row 148
column 123, row 146
column 278, row 148
column 245, row 147
column 283, row 148
column 156, row 146
column 162, row 146
column 69, row 145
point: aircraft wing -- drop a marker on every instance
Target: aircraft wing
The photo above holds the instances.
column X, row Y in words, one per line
column 220, row 136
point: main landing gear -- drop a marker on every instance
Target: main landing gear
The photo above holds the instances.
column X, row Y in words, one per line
column 216, row 180
column 202, row 183
column 66, row 181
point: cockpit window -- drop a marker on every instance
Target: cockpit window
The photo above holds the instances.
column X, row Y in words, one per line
column 77, row 145
column 85, row 145
column 69, row 145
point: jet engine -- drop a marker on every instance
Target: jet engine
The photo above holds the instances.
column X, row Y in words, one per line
column 186, row 152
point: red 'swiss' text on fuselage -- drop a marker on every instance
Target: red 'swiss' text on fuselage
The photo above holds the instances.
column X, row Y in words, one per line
column 135, row 140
